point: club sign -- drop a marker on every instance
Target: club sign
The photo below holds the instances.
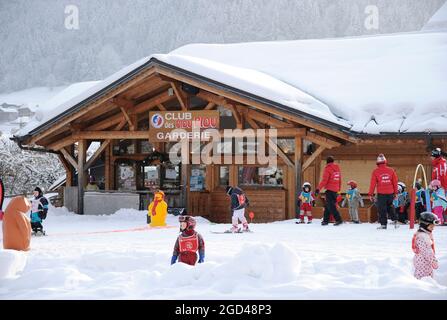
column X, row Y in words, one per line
column 177, row 125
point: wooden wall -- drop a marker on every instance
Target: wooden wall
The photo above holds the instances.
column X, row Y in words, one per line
column 267, row 205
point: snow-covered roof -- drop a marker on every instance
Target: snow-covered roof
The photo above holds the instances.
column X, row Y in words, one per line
column 54, row 106
column 439, row 20
column 388, row 83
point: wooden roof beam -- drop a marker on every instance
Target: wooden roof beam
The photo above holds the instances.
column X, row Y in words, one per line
column 322, row 141
column 69, row 158
column 180, row 96
column 312, row 158
column 264, row 118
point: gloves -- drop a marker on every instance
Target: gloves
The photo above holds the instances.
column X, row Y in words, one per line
column 173, row 259
column 317, row 192
column 201, row 258
column 371, row 198
column 435, row 264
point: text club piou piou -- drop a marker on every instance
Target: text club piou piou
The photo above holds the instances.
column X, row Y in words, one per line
column 186, row 121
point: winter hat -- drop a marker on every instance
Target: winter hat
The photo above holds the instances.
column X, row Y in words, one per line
column 352, row 183
column 436, row 153
column 426, row 219
column 330, row 159
column 39, row 190
column 381, row 159
column 435, row 183
column 229, row 189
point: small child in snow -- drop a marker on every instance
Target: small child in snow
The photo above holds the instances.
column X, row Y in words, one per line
column 305, row 202
column 188, row 243
column 401, row 203
column 354, row 200
column 438, row 197
column 239, row 201
column 39, row 210
column 423, row 246
column 420, row 199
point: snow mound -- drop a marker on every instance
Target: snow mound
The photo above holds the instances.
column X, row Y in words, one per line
column 12, row 262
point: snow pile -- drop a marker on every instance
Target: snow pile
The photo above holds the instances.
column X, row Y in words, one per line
column 12, row 262
column 116, row 257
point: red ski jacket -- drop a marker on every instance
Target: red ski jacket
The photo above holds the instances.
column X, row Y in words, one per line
column 331, row 178
column 385, row 179
column 440, row 171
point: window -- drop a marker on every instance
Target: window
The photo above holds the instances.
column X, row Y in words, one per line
column 171, row 177
column 261, row 176
column 126, row 178
column 197, row 179
column 224, row 175
column 151, row 177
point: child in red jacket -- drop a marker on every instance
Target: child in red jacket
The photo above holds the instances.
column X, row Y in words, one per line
column 188, row 243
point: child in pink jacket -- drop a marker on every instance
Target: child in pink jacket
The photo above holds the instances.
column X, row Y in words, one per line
column 423, row 246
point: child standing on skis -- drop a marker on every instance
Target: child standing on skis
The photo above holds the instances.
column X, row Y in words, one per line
column 423, row 246
column 239, row 202
column 354, row 200
column 420, row 199
column 439, row 199
column 305, row 202
column 188, row 243
column 401, row 203
column 39, row 210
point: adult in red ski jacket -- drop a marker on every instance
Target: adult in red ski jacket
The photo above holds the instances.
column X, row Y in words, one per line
column 384, row 179
column 332, row 183
column 439, row 164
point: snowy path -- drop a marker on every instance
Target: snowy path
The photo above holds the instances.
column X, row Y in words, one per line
column 279, row 260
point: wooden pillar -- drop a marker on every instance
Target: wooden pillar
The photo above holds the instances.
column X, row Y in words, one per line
column 82, row 148
column 298, row 166
column 107, row 168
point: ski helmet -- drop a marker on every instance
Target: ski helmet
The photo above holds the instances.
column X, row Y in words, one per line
column 428, row 218
column 436, row 153
column 352, row 183
column 381, row 159
column 401, row 186
column 190, row 222
column 307, row 184
column 435, row 183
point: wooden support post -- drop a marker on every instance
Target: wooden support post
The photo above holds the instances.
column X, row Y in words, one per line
column 298, row 167
column 107, row 167
column 209, row 106
column 81, row 174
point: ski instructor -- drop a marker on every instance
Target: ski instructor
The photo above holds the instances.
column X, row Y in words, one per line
column 439, row 165
column 332, row 183
column 385, row 179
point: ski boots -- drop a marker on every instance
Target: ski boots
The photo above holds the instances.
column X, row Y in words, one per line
column 381, row 227
column 337, row 223
column 324, row 223
column 309, row 221
column 300, row 222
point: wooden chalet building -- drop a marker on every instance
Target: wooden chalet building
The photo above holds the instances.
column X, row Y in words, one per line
column 117, row 114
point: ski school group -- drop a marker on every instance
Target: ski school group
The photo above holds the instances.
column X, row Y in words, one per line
column 392, row 201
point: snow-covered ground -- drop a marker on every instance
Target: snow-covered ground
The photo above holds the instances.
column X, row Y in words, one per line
column 116, row 257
